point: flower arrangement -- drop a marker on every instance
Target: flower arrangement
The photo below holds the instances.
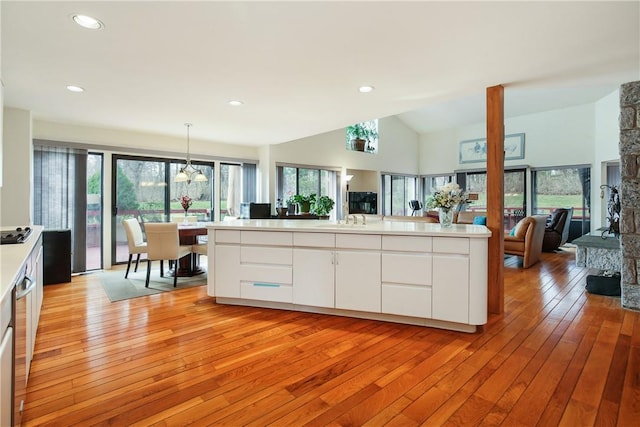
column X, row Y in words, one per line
column 185, row 201
column 448, row 197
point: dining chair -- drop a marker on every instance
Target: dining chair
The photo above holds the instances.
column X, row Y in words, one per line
column 163, row 243
column 200, row 248
column 136, row 242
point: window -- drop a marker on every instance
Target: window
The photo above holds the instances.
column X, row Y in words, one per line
column 564, row 187
column 432, row 183
column 397, row 191
column 292, row 180
column 514, row 193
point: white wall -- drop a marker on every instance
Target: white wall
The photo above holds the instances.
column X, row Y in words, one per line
column 607, row 136
column 123, row 139
column 552, row 138
column 397, row 148
column 16, row 193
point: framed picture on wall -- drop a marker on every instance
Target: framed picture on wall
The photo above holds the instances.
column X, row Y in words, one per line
column 475, row 150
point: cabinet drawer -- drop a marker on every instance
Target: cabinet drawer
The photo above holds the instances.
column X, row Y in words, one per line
column 406, row 300
column 407, row 268
column 271, row 238
column 227, row 236
column 265, row 255
column 266, row 273
column 451, row 245
column 358, row 241
column 406, row 243
column 266, row 291
column 314, row 240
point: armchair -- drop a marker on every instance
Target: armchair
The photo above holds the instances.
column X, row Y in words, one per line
column 527, row 239
column 556, row 232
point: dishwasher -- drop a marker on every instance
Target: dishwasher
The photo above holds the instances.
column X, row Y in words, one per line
column 23, row 291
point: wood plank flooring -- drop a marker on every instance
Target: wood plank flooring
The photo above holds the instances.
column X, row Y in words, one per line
column 557, row 356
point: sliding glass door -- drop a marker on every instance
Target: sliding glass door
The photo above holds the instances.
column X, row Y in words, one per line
column 144, row 188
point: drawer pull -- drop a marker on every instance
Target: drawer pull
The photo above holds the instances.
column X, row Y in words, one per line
column 267, row 285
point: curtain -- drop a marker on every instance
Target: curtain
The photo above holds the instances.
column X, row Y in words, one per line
column 249, row 182
column 60, row 195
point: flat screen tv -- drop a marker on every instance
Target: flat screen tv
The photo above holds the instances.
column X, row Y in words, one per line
column 363, row 202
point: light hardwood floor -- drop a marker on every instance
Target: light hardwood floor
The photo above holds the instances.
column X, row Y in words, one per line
column 558, row 356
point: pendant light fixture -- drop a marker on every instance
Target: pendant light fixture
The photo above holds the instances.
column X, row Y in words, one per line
column 187, row 172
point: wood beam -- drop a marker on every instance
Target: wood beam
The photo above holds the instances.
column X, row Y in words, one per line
column 495, row 197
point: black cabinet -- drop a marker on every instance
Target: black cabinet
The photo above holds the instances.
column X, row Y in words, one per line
column 56, row 256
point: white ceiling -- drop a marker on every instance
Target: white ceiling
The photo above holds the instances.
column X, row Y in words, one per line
column 297, row 65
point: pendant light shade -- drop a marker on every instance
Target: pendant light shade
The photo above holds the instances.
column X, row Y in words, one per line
column 187, row 172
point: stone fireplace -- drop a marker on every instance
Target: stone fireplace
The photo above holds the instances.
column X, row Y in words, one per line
column 630, row 193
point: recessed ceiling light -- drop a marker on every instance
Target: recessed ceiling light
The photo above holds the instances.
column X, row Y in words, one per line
column 235, row 103
column 87, row 22
column 75, row 88
column 366, row 89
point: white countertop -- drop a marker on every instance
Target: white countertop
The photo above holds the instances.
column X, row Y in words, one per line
column 12, row 257
column 374, row 227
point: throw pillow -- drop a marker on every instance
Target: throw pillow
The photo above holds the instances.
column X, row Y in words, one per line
column 512, row 232
column 480, row 220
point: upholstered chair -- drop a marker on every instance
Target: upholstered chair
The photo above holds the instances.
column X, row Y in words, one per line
column 163, row 243
column 526, row 241
column 135, row 240
column 556, row 233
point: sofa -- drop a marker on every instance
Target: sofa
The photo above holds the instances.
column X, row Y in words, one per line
column 409, row 218
column 556, row 232
column 526, row 241
column 462, row 217
column 468, row 217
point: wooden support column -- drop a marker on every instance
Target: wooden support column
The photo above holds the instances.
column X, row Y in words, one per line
column 495, row 197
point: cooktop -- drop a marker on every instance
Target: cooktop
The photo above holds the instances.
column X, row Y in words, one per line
column 19, row 235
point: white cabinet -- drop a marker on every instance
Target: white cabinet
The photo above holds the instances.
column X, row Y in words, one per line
column 358, row 284
column 226, row 271
column 406, row 275
column 34, row 301
column 434, row 279
column 255, row 265
column 6, row 380
column 358, row 281
column 451, row 288
column 313, row 277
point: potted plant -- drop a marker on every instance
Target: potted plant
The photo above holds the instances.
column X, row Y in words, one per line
column 304, row 202
column 323, row 206
column 361, row 135
column 291, row 205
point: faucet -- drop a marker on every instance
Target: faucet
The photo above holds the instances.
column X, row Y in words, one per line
column 352, row 216
column 364, row 219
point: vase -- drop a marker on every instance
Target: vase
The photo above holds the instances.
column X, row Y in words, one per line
column 186, row 221
column 446, row 217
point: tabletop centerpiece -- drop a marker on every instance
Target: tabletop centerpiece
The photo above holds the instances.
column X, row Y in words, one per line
column 446, row 199
column 186, row 202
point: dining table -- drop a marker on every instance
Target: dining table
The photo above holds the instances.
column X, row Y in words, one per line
column 188, row 233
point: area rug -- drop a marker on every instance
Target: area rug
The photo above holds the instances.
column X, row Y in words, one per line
column 118, row 288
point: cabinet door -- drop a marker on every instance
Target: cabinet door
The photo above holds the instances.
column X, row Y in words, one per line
column 6, row 377
column 358, row 281
column 227, row 271
column 451, row 288
column 313, row 277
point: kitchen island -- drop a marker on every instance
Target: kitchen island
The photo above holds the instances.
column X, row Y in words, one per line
column 408, row 272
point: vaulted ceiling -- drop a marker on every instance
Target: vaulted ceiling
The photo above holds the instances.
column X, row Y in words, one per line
column 297, row 66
